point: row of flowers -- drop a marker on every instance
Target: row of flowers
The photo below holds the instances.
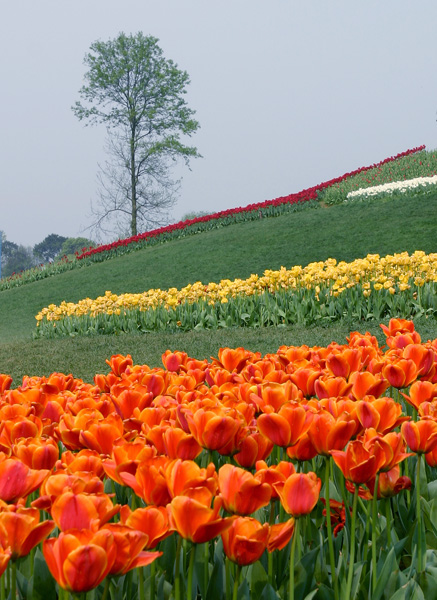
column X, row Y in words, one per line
column 304, row 294
column 421, row 164
column 256, row 209
column 301, row 461
column 417, row 183
column 269, row 208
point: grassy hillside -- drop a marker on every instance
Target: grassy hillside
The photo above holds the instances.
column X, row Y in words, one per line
column 344, row 232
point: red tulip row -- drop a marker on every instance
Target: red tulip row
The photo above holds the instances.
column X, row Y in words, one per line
column 155, row 431
column 302, row 196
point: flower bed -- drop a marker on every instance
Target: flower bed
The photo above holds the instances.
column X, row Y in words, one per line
column 365, row 288
column 306, row 473
column 266, row 208
column 416, row 184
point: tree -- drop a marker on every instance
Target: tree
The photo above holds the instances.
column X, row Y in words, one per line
column 19, row 259
column 139, row 96
column 50, row 247
column 72, row 245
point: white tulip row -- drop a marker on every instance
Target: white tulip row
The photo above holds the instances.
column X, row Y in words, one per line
column 399, row 186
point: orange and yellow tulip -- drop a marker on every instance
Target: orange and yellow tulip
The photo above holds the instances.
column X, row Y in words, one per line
column 129, row 544
column 17, row 480
column 245, row 540
column 151, row 520
column 21, row 530
column 421, row 436
column 286, row 427
column 80, row 560
column 195, row 521
column 299, row 493
column 242, row 493
column 82, row 511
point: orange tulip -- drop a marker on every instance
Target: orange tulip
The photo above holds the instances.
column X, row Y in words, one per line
column 149, row 482
column 80, row 560
column 60, row 481
column 299, row 493
column 280, row 535
column 286, row 427
column 303, row 450
column 21, row 530
column 327, row 433
column 178, row 444
column 389, row 448
column 421, row 436
column 305, row 379
column 358, row 462
column 151, row 520
column 274, row 474
column 241, row 492
column 100, row 435
column 17, row 480
column 401, row 373
column 390, row 483
column 120, row 364
column 268, row 396
column 212, row 430
column 421, row 391
column 126, row 456
column 423, row 357
column 398, row 326
column 196, row 522
column 186, row 478
column 37, row 453
column 233, row 360
column 254, row 447
column 129, row 544
column 383, row 414
column 245, row 540
column 5, row 556
column 85, row 460
column 328, row 387
column 402, row 340
column 341, row 363
column 366, row 384
column 82, row 511
column 5, row 382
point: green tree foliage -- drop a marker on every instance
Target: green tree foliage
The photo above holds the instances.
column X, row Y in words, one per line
column 139, row 95
column 50, row 247
column 18, row 259
column 72, row 245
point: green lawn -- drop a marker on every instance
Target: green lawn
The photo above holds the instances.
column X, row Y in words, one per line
column 344, row 232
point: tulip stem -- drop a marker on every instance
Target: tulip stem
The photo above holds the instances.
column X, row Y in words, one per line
column 388, row 518
column 270, row 554
column 420, row 566
column 329, row 528
column 152, row 580
column 106, row 589
column 177, row 575
column 352, row 548
column 206, row 566
column 13, row 580
column 292, row 555
column 141, row 582
column 374, row 526
column 236, row 583
column 2, row 588
column 190, row 572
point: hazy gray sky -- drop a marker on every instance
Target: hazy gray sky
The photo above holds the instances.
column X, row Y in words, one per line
column 287, row 93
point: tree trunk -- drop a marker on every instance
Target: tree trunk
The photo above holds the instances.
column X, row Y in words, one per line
column 133, row 187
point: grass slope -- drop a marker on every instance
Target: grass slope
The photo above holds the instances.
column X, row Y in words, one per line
column 344, row 232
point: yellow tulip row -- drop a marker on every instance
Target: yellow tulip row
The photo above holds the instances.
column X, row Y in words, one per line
column 395, row 273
